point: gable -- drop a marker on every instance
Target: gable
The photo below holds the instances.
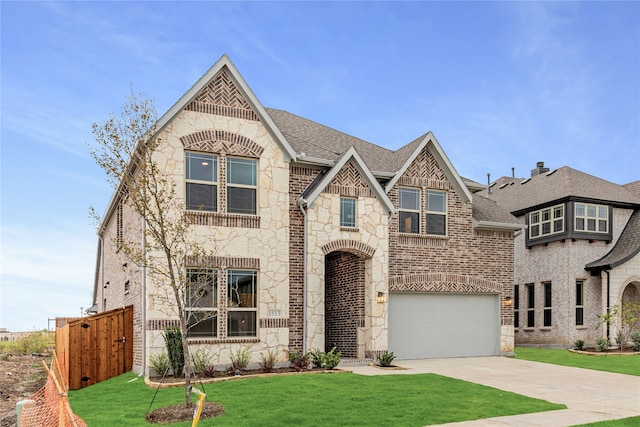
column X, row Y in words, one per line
column 349, row 182
column 424, row 171
column 222, row 97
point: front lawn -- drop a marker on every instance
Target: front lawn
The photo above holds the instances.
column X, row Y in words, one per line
column 338, row 399
column 625, row 422
column 629, row 365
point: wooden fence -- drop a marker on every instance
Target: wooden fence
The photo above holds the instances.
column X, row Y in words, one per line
column 96, row 348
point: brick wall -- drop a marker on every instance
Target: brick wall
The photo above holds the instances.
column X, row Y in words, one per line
column 344, row 302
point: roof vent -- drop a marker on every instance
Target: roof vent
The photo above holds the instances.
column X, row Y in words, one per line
column 539, row 169
column 503, row 185
column 525, row 181
column 552, row 172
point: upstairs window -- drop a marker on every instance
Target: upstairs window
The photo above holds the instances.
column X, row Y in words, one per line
column 202, row 303
column 347, row 212
column 436, row 212
column 592, row 218
column 201, row 172
column 545, row 222
column 241, row 185
column 409, row 210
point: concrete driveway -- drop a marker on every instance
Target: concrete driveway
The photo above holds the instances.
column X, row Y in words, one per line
column 590, row 395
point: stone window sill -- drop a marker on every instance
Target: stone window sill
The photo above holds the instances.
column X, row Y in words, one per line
column 352, row 229
column 546, row 328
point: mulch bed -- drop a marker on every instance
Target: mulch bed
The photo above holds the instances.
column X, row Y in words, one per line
column 609, row 352
column 176, row 413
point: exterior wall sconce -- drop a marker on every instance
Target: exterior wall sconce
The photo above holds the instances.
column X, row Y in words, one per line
column 508, row 301
column 380, row 298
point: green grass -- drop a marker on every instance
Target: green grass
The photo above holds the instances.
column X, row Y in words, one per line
column 620, row 364
column 625, row 422
column 341, row 399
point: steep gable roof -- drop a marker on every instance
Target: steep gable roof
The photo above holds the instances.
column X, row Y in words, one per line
column 317, row 187
column 488, row 214
column 225, row 64
column 517, row 195
column 430, row 142
column 627, row 246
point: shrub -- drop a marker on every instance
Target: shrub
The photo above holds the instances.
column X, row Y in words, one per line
column 602, row 344
column 209, row 372
column 160, row 363
column 331, row 359
column 621, row 340
column 299, row 362
column 635, row 338
column 578, row 344
column 201, row 360
column 173, row 340
column 35, row 342
column 239, row 360
column 316, row 357
column 268, row 361
column 386, row 359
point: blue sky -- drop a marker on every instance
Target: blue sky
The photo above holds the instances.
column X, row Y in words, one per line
column 501, row 85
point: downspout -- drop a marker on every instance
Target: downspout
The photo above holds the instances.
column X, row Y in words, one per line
column 144, row 300
column 301, row 204
column 608, row 301
column 101, row 272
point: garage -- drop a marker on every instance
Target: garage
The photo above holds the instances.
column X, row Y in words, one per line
column 432, row 325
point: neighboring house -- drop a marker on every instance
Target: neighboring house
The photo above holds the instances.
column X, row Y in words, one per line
column 321, row 238
column 578, row 256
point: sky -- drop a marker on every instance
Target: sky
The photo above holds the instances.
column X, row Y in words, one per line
column 500, row 84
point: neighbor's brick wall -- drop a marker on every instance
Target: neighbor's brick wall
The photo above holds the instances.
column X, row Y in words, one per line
column 562, row 263
column 344, row 301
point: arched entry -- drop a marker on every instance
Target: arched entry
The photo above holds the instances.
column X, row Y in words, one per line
column 344, row 301
column 631, row 293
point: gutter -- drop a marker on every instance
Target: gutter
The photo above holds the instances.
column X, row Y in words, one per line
column 144, row 299
column 301, row 204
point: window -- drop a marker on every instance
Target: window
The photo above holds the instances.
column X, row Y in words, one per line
column 579, row 302
column 201, row 172
column 546, row 221
column 241, row 185
column 436, row 212
column 347, row 212
column 591, row 218
column 202, row 303
column 531, row 304
column 409, row 210
column 516, row 306
column 547, row 304
column 242, row 306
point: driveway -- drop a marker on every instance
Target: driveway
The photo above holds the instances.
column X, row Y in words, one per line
column 589, row 395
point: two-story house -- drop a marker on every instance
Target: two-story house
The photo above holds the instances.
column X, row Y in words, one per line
column 578, row 256
column 321, row 239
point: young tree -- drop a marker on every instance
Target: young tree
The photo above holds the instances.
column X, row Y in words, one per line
column 128, row 150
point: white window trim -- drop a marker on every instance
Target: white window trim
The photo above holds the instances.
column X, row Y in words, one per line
column 355, row 212
column 234, row 185
column 550, row 221
column 215, row 183
column 400, row 209
column 445, row 213
column 585, row 217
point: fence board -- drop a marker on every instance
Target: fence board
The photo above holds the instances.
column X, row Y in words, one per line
column 97, row 347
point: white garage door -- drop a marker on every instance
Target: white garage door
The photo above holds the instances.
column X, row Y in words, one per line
column 443, row 325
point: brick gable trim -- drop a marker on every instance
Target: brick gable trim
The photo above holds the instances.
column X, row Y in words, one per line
column 442, row 282
column 352, row 246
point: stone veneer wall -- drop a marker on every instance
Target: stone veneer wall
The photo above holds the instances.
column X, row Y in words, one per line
column 344, row 301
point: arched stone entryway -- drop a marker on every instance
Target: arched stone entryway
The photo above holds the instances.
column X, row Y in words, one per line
column 344, row 301
column 631, row 293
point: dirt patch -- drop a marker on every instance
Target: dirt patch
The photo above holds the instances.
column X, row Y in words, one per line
column 20, row 376
column 176, row 413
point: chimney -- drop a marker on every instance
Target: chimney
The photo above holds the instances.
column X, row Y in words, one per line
column 539, row 169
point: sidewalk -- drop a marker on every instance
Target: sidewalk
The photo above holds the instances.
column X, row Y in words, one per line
column 590, row 395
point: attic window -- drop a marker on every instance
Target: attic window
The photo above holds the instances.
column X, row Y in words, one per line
column 525, row 181
column 551, row 172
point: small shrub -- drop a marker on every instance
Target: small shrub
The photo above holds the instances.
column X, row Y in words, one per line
column 268, row 361
column 331, row 359
column 173, row 340
column 621, row 340
column 316, row 357
column 635, row 338
column 578, row 344
column 35, row 342
column 201, row 360
column 209, row 372
column 239, row 360
column 160, row 363
column 299, row 362
column 386, row 359
column 602, row 344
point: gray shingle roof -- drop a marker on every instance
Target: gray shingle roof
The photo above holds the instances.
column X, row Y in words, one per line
column 489, row 211
column 517, row 194
column 634, row 187
column 627, row 246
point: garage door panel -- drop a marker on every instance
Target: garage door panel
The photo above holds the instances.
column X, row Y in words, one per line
column 443, row 325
